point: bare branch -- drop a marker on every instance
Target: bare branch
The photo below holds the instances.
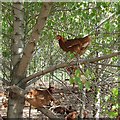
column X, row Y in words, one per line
column 105, row 20
column 107, row 64
column 65, row 64
column 100, row 24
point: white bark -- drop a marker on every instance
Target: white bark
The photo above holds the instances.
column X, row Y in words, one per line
column 15, row 102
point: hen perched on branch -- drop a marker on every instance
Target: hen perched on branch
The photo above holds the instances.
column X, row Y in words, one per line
column 77, row 45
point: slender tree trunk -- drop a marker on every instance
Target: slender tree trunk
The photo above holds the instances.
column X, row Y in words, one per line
column 16, row 102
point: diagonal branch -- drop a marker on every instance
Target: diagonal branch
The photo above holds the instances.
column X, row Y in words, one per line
column 100, row 24
column 65, row 64
column 105, row 20
column 29, row 49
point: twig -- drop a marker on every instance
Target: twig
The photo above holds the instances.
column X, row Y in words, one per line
column 105, row 20
column 74, row 9
column 106, row 64
column 5, row 81
column 100, row 24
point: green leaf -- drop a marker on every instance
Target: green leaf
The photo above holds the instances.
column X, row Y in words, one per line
column 115, row 91
column 107, row 98
column 72, row 80
column 77, row 79
column 112, row 114
column 107, row 25
column 77, row 73
column 87, row 85
column 87, row 73
column 80, row 85
column 71, row 55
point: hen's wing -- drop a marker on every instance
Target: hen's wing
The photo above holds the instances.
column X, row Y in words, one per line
column 72, row 42
column 83, row 42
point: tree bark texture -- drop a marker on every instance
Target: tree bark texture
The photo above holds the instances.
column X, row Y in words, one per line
column 15, row 102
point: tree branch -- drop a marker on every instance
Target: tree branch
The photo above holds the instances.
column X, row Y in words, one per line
column 5, row 81
column 107, row 64
column 105, row 20
column 29, row 49
column 65, row 64
column 100, row 24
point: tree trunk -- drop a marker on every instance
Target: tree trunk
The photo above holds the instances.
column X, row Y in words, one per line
column 16, row 105
column 16, row 102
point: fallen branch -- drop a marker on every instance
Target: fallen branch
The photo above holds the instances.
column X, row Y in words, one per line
column 49, row 114
column 65, row 64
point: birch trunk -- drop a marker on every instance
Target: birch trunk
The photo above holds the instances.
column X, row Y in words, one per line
column 16, row 103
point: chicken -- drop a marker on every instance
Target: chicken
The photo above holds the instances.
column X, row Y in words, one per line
column 77, row 45
column 39, row 98
column 60, row 110
column 64, row 110
column 72, row 116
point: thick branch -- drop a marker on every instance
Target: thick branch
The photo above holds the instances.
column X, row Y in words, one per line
column 49, row 114
column 27, row 53
column 62, row 65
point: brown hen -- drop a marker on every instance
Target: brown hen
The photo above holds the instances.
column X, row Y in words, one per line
column 77, row 45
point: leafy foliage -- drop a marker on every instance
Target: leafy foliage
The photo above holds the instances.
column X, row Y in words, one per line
column 71, row 20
